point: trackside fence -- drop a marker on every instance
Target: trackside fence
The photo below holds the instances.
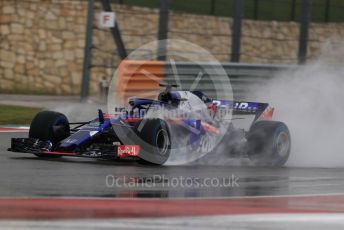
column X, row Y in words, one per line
column 210, row 78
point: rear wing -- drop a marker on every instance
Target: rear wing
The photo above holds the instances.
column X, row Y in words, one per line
column 262, row 111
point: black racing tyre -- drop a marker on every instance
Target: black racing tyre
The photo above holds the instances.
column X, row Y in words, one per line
column 49, row 126
column 155, row 141
column 268, row 143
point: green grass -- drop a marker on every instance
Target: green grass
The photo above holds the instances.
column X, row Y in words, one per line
column 17, row 115
column 280, row 10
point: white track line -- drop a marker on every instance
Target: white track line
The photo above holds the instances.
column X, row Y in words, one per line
column 251, row 221
column 14, row 129
column 177, row 198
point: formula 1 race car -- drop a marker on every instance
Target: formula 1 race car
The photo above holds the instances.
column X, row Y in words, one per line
column 145, row 131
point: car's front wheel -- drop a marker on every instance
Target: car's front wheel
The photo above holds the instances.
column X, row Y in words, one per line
column 49, row 126
column 155, row 141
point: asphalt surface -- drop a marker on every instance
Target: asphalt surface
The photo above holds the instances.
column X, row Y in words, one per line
column 242, row 222
column 25, row 175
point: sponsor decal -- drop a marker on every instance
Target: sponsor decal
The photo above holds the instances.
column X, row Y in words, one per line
column 70, row 141
column 128, row 150
column 245, row 106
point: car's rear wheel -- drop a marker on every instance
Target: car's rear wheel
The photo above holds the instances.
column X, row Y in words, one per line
column 155, row 141
column 49, row 126
column 268, row 143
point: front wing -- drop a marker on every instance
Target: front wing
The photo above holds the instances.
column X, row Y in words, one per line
column 38, row 147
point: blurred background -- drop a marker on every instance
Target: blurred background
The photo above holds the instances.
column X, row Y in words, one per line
column 44, row 42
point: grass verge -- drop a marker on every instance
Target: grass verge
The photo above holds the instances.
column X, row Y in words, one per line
column 17, row 115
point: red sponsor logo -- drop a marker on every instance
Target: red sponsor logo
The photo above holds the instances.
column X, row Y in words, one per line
column 108, row 116
column 128, row 150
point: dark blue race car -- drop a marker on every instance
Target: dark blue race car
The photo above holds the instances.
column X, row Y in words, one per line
column 152, row 131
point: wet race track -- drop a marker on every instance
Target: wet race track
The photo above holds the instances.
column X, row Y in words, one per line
column 27, row 175
column 208, row 189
